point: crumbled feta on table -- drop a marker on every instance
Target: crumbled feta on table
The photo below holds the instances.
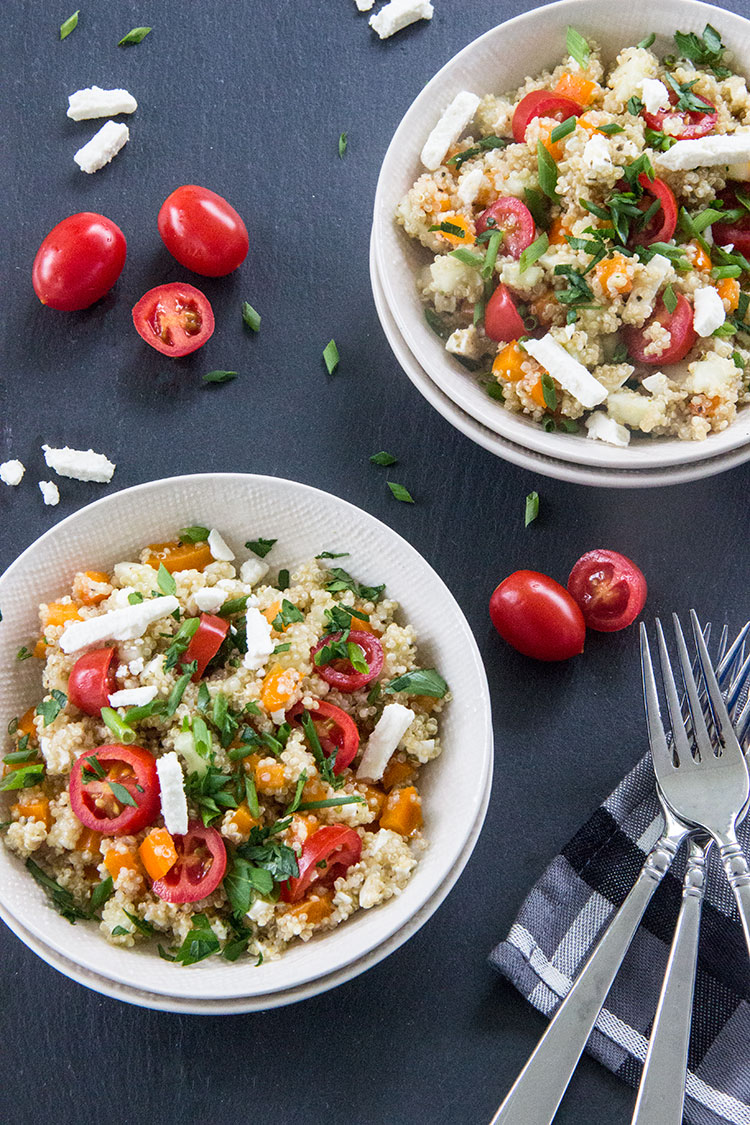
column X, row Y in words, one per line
column 117, row 625
column 95, row 102
column 50, row 492
column 11, row 472
column 172, row 794
column 102, row 147
column 218, row 547
column 398, row 14
column 383, row 742
column 79, row 464
column 449, row 128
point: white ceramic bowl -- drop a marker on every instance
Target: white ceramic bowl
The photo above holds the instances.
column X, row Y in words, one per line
column 498, row 61
column 305, row 521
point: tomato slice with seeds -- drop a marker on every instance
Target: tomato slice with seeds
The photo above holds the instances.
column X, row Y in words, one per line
column 205, row 642
column 99, row 781
column 342, row 674
column 695, row 123
column 502, row 320
column 542, row 103
column 679, row 324
column 661, row 226
column 513, row 220
column 176, row 319
column 199, row 868
column 326, row 855
column 337, row 731
column 736, row 232
column 92, row 681
column 609, row 588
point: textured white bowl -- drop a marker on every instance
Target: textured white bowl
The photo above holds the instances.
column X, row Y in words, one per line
column 305, row 521
column 498, row 61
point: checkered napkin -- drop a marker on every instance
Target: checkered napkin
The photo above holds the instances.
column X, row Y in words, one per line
column 579, row 892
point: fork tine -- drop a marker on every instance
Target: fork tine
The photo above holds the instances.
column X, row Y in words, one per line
column 700, row 730
column 723, row 640
column 721, row 715
column 679, row 736
column 742, row 725
column 738, row 683
column 727, row 661
column 657, row 737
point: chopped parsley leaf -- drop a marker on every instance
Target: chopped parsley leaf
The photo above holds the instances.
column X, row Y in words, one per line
column 400, row 493
column 260, row 546
column 331, row 356
column 423, row 681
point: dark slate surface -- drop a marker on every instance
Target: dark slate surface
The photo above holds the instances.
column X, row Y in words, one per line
column 249, row 99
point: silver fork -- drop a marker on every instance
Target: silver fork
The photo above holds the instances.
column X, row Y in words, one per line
column 661, row 1093
column 709, row 791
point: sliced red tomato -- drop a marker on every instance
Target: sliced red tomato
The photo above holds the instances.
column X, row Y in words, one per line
column 202, row 231
column 542, row 103
column 679, row 324
column 610, row 589
column 205, row 642
column 342, row 674
column 199, row 868
column 513, row 220
column 695, row 123
column 175, row 319
column 660, row 226
column 78, row 262
column 99, row 780
column 736, row 232
column 92, row 681
column 326, row 855
column 337, row 731
column 537, row 616
column 502, row 320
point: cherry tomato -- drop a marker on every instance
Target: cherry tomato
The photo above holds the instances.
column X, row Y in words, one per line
column 202, row 231
column 513, row 219
column 326, row 855
column 542, row 103
column 342, row 674
column 537, row 616
column 176, row 319
column 337, row 731
column 737, row 231
column 92, row 681
column 695, row 123
column 660, row 226
column 200, row 866
column 78, row 262
column 609, row 588
column 502, row 320
column 679, row 324
column 97, row 804
column 205, row 642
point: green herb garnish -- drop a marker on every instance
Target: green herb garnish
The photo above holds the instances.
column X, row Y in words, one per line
column 423, row 681
column 122, row 731
column 70, row 24
column 670, row 299
column 483, row 145
column 547, row 172
column 60, row 897
column 400, row 493
column 564, row 130
column 200, row 942
column 533, row 252
column 219, row 376
column 706, row 50
column 49, row 709
column 250, row 317
column 260, row 546
column 134, row 36
column 437, row 324
column 343, row 142
column 647, row 42
column 331, row 356
column 166, row 581
column 577, row 47
column 194, row 534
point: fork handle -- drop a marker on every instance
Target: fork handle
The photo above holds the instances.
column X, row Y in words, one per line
column 539, row 1088
column 661, row 1094
column 738, row 874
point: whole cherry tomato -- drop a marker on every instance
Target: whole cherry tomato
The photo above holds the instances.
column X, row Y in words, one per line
column 200, row 866
column 78, row 262
column 202, row 231
column 92, row 681
column 610, row 589
column 679, row 324
column 537, row 616
column 502, row 320
column 175, row 319
column 98, row 780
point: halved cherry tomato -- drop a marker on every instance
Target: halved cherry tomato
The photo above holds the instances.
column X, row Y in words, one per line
column 537, row 616
column 79, row 261
column 502, row 320
column 205, row 642
column 326, row 855
column 679, row 324
column 610, row 589
column 201, row 863
column 514, row 221
column 341, row 674
column 202, row 231
column 695, row 123
column 542, row 103
column 660, row 226
column 336, row 730
column 92, row 681
column 175, row 319
column 96, row 803
column 737, row 231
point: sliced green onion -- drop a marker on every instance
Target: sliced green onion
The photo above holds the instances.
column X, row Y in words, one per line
column 670, row 299
column 330, row 803
column 532, row 508
column 468, row 257
column 549, row 391
column 564, row 130
column 70, row 24
column 647, row 42
column 577, row 47
column 343, row 142
column 533, row 252
column 120, row 729
column 134, row 36
column 720, row 272
column 400, row 493
column 331, row 356
column 547, row 171
column 219, row 376
column 490, row 257
column 250, row 317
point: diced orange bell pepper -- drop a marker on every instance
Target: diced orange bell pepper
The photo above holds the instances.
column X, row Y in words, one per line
column 507, row 363
column 179, row 556
column 314, row 790
column 302, row 826
column 278, row 687
column 395, row 772
column 557, row 232
column 313, row 909
column 115, row 862
column 537, row 393
column 269, row 776
column 58, row 613
column 576, row 87
column 403, row 811
column 36, row 808
column 243, row 819
column 613, row 274
column 158, row 853
column 88, row 841
column 272, row 612
column 554, row 148
column 467, row 238
column 26, row 725
column 375, row 798
column 83, row 591
column 698, row 256
column 729, row 291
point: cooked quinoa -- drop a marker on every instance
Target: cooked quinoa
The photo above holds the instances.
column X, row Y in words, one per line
column 249, row 747
column 575, row 230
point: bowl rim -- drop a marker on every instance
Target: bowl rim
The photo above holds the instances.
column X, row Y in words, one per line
column 36, row 920
column 459, row 385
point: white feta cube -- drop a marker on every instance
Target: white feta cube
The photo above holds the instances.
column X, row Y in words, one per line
column 50, row 492
column 569, row 373
column 132, row 697
column 596, row 156
column 218, row 546
column 708, row 310
column 117, row 625
column 655, row 95
column 260, row 644
column 172, row 794
column 603, row 428
column 449, row 128
column 79, row 464
column 102, row 147
column 252, row 570
column 11, row 472
column 383, row 742
column 398, row 14
column 469, row 185
column 705, row 152
column 209, row 598
column 365, row 5
column 95, row 102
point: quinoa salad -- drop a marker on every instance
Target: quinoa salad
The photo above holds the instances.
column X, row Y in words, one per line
column 589, row 239
column 225, row 756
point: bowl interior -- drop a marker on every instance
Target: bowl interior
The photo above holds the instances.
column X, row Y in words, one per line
column 306, row 521
column 499, row 61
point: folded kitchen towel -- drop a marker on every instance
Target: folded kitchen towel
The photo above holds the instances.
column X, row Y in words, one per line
column 564, row 914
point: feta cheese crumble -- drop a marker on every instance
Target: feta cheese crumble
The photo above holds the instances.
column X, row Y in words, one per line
column 132, row 697
column 569, row 373
column 259, row 642
column 11, row 472
column 172, row 794
column 706, row 152
column 50, row 492
column 102, row 147
column 116, row 625
column 209, row 598
column 383, row 742
column 218, row 547
column 596, row 156
column 79, row 464
column 449, row 128
column 708, row 314
column 252, row 570
column 398, row 14
column 603, row 428
column 95, row 102
column 655, row 95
